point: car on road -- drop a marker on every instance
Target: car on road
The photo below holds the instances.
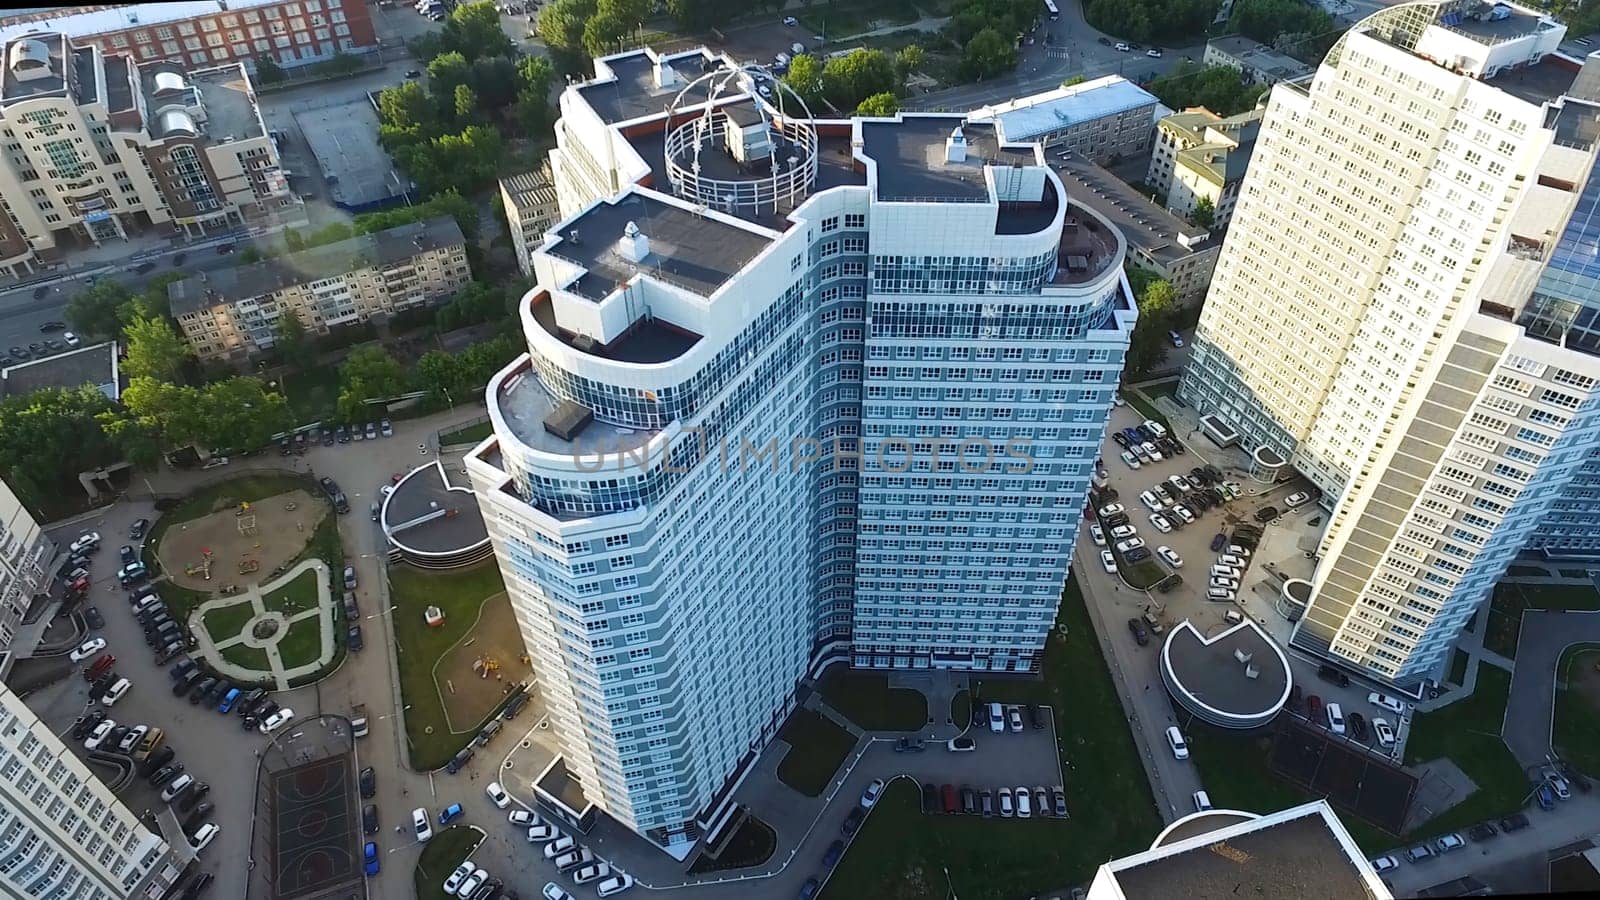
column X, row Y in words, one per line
column 1014, row 716
column 370, row 862
column 413, row 74
column 1419, row 853
column 497, row 794
column 1482, row 831
column 451, row 813
column 87, row 649
column 553, row 891
column 1384, row 733
column 419, row 822
column 873, row 791
column 1122, row 47
column 1202, row 801
column 1180, row 749
column 790, row 21
column 1335, row 718
column 1155, row 53
column 909, row 745
column 1140, row 635
column 1382, row 864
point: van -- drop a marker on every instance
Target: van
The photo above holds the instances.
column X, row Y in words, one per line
column 1180, row 749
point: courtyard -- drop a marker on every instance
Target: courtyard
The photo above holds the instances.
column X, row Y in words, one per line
column 282, row 633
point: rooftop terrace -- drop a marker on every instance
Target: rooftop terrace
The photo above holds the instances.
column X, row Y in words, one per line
column 647, row 341
column 912, row 163
column 525, row 404
column 698, row 253
column 230, row 106
column 1538, row 83
column 1087, row 248
column 33, row 67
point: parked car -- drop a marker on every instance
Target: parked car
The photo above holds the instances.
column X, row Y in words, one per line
column 1334, row 675
column 1385, row 734
column 1514, row 822
column 419, row 823
column 1358, row 726
column 1482, row 831
column 1335, row 716
column 961, row 745
column 1383, row 864
column 1006, row 809
column 1449, row 842
column 1180, row 748
column 873, row 791
column 87, row 649
column 1140, row 635
column 1419, row 853
column 1546, row 797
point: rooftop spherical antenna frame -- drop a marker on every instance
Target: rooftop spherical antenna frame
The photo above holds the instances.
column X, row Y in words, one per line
column 697, row 128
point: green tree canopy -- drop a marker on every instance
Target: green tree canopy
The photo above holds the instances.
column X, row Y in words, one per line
column 884, row 104
column 268, row 71
column 805, row 79
column 1265, row 20
column 154, row 350
column 474, row 29
column 292, row 342
column 1147, row 346
column 47, row 437
column 368, row 373
column 447, row 72
column 95, row 310
column 1204, row 212
column 1176, row 21
column 847, row 80
column 1218, row 88
column 466, row 102
column 988, row 53
column 561, row 24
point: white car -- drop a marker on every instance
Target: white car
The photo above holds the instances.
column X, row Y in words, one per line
column 1111, row 509
column 553, row 891
column 497, row 795
column 1180, row 749
column 1130, row 459
column 1380, row 727
column 1183, row 513
column 1228, row 559
column 1116, row 399
column 589, row 873
column 1154, row 427
column 997, row 718
column 98, row 736
column 1122, row 47
column 1170, row 557
column 557, row 847
column 1236, row 550
column 1384, row 863
column 1298, row 498
column 574, row 858
column 1180, row 483
column 1150, row 501
column 276, row 720
column 88, row 648
column 176, row 787
column 1202, row 801
column 116, row 692
column 870, row 796
column 1220, row 571
column 1024, row 803
column 71, row 339
column 132, row 738
column 419, row 824
column 1227, row 584
column 1335, row 718
column 88, row 541
column 207, row 833
column 1151, row 449
column 539, row 834
column 522, row 818
column 1219, row 594
column 1109, row 561
column 1160, row 522
column 1098, row 535
column 459, row 876
column 473, row 882
column 1123, row 531
column 1129, row 544
column 790, row 21
column 614, row 885
column 1384, row 701
column 1449, row 842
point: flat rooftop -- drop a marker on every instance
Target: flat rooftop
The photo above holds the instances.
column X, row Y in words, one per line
column 344, row 141
column 1518, row 23
column 1291, row 854
column 634, row 94
column 1086, row 247
column 1026, row 118
column 429, row 514
column 525, row 404
column 698, row 253
column 1206, row 668
column 528, row 190
column 1576, row 123
column 912, row 162
column 119, row 83
column 1142, row 222
column 649, row 340
column 1541, row 82
column 95, row 365
column 230, row 106
column 42, row 57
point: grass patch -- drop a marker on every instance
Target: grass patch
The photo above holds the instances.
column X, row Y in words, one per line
column 1510, row 600
column 302, row 643
column 816, row 749
column 249, row 657
column 227, row 621
column 866, row 699
column 839, row 20
column 1468, row 732
column 899, row 852
column 1577, row 725
column 298, row 595
column 751, row 845
column 1142, row 574
column 460, row 594
column 468, row 435
column 1458, row 667
column 313, row 393
column 961, row 708
column 440, row 857
column 1168, row 388
column 1139, row 402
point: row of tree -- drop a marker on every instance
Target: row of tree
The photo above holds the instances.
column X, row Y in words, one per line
column 866, row 81
column 1220, row 89
column 987, row 33
column 1158, row 312
column 1175, row 21
column 576, row 30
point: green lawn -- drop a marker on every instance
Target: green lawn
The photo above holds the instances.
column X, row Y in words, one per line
column 302, row 643
column 1510, row 599
column 1577, row 726
column 817, row 748
column 1468, row 732
column 867, row 700
column 459, row 594
column 840, row 20
column 249, row 657
column 440, row 857
column 961, row 708
column 899, row 852
column 227, row 621
column 298, row 595
column 468, row 435
column 1144, row 406
column 1168, row 388
column 1143, row 574
column 751, row 845
column 313, row 393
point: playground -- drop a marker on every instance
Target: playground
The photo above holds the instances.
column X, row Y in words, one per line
column 241, row 543
column 473, row 675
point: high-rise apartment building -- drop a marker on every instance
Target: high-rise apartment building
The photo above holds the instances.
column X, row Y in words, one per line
column 24, row 552
column 1385, row 316
column 64, row 835
column 97, row 147
column 797, row 391
column 529, row 200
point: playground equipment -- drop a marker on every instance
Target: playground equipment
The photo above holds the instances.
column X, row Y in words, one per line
column 203, row 568
column 246, row 566
column 485, row 665
column 434, row 616
column 247, row 524
column 229, row 590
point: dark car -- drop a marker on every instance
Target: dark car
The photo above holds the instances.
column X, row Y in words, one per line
column 99, row 685
column 1333, row 675
column 1115, row 520
column 196, row 816
column 1266, row 514
column 369, row 782
column 169, row 653
column 81, row 728
column 1295, row 696
column 198, row 886
column 53, row 325
column 1121, row 439
column 140, row 526
column 413, row 73
column 248, row 701
column 1313, row 706
column 1218, row 542
column 218, row 690
column 185, row 682
column 200, row 689
column 91, row 615
column 1358, row 726
column 225, row 248
column 853, row 821
column 182, row 667
column 459, row 761
column 952, row 801
column 1482, row 831
column 342, row 435
column 143, row 267
column 177, row 259
column 164, row 774
column 1514, row 822
column 1035, row 716
column 930, row 798
column 193, row 794
column 1137, row 554
column 1140, row 635
column 910, row 745
column 369, row 819
column 969, row 800
column 354, row 637
column 156, row 760
column 986, row 802
column 327, row 437
column 810, row 888
column 115, row 737
column 834, row 854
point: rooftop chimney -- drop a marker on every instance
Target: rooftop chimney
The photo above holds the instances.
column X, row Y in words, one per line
column 634, row 246
column 955, row 149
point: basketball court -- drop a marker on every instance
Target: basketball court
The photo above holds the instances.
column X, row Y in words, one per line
column 1354, row 780
column 313, row 828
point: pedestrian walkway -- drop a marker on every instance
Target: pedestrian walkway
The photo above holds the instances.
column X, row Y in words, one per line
column 281, row 675
column 1530, row 709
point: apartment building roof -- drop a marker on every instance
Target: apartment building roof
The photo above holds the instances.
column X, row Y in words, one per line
column 1190, row 124
column 225, row 94
column 94, row 365
column 36, row 65
column 529, row 190
column 912, row 161
column 119, row 83
column 1146, row 226
column 525, row 404
column 1207, row 673
column 1026, row 118
column 1259, row 57
column 380, row 248
column 1541, row 82
column 428, row 514
column 695, row 251
column 1514, row 22
column 84, row 23
column 1302, row 852
column 635, row 92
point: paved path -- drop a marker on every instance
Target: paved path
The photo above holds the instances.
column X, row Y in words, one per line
column 281, row 675
column 1530, row 712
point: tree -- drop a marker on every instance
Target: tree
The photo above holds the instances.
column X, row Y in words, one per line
column 407, row 112
column 849, row 79
column 1218, row 88
column 241, row 412
column 292, row 342
column 94, row 311
column 1204, row 212
column 474, row 30
column 909, row 59
column 495, row 79
column 47, row 437
column 446, row 73
column 604, row 31
column 1076, row 79
column 268, row 71
column 988, row 53
column 1149, row 20
column 154, row 349
column 171, row 412
column 1147, row 346
column 805, row 79
column 884, row 104
column 535, row 75
column 561, row 24
column 1265, row 20
column 369, row 372
column 466, row 102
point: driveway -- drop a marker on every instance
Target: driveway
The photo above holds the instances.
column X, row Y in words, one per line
column 1530, row 711
column 1568, row 822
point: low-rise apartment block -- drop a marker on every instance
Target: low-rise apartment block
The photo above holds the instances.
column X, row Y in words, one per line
column 1256, row 61
column 1102, row 119
column 233, row 314
column 24, row 553
column 531, row 208
column 1199, row 155
column 97, row 147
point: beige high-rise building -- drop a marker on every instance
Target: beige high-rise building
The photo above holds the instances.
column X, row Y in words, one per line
column 64, row 835
column 97, row 147
column 1373, row 317
column 24, row 553
column 531, row 208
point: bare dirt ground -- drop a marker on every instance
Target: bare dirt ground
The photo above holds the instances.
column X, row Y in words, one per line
column 280, row 534
column 495, row 637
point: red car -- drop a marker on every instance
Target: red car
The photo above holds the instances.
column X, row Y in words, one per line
column 101, row 665
column 1313, row 706
column 952, row 803
column 79, row 586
